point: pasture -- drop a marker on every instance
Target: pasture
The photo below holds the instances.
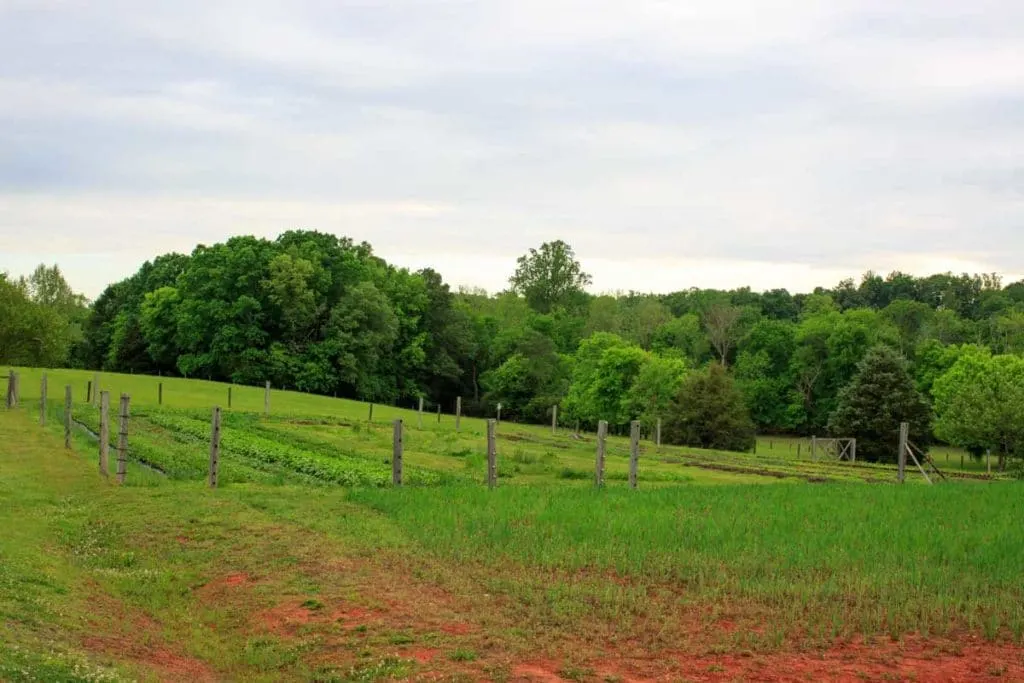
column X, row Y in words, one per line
column 305, row 564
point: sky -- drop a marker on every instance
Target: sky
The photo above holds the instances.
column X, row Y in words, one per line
column 761, row 143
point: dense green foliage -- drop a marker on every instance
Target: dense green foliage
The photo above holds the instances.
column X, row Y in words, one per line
column 709, row 412
column 881, row 395
column 40, row 318
column 321, row 314
column 980, row 402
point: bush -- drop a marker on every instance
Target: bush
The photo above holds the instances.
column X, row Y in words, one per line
column 878, row 398
column 709, row 412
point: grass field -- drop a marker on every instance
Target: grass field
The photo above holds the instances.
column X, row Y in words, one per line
column 282, row 574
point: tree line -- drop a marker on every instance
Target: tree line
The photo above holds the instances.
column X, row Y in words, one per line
column 323, row 314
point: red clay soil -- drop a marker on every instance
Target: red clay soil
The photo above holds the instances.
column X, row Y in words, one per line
column 856, row 662
column 423, row 655
column 161, row 661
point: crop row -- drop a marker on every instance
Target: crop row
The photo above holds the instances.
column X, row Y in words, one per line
column 337, row 469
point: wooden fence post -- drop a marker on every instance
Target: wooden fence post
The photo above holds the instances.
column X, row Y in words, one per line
column 602, row 434
column 438, row 413
column 95, row 388
column 458, row 413
column 499, row 413
column 229, row 398
column 13, row 389
column 266, row 399
column 67, row 416
column 554, row 419
column 853, row 451
column 122, row 439
column 214, row 447
column 492, row 455
column 634, row 452
column 419, row 415
column 42, row 401
column 88, row 392
column 104, row 431
column 396, row 456
column 369, row 418
column 657, row 433
column 160, row 394
column 901, row 459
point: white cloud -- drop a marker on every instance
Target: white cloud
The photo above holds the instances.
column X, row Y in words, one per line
column 673, row 144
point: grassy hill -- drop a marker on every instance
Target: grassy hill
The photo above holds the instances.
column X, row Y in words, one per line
column 283, row 574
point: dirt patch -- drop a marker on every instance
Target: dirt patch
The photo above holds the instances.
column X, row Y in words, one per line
column 224, row 584
column 236, row 579
column 423, row 655
column 911, row 659
column 350, row 617
column 537, row 671
column 162, row 661
column 287, row 618
column 456, row 629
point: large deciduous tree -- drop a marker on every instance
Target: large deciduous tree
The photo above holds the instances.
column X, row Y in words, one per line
column 979, row 403
column 549, row 277
column 879, row 397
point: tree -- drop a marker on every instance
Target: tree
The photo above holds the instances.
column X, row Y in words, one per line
column 605, row 368
column 722, row 324
column 979, row 403
column 872, row 406
column 709, row 412
column 549, row 277
column 656, row 385
column 30, row 333
column 644, row 319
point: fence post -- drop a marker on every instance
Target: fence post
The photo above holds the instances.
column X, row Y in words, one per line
column 95, row 388
column 88, row 392
column 657, row 433
column 419, row 415
column 634, row 451
column 160, row 394
column 988, row 460
column 396, row 456
column 214, row 447
column 13, row 390
column 853, row 451
column 814, row 448
column 602, row 434
column 266, row 399
column 122, row 439
column 229, row 398
column 901, row 459
column 458, row 413
column 499, row 413
column 104, row 431
column 42, row 402
column 554, row 419
column 438, row 413
column 67, row 416
column 370, row 417
column 492, row 455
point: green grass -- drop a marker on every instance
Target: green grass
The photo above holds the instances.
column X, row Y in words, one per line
column 315, row 440
column 277, row 579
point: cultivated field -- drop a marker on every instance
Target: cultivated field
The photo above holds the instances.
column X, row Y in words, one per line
column 306, row 565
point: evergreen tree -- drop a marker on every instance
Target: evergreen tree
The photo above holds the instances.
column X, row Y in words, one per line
column 709, row 412
column 878, row 398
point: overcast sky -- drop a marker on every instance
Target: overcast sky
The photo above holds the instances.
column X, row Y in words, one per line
column 768, row 143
